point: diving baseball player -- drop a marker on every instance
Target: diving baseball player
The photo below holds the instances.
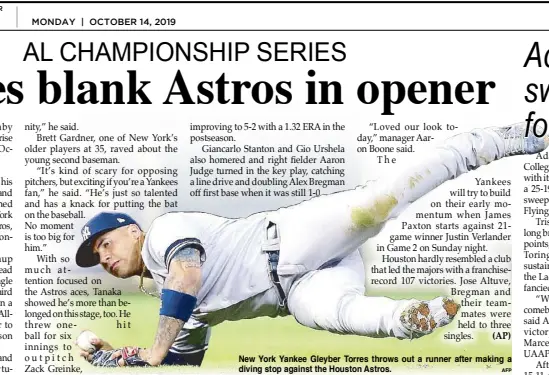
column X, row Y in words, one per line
column 300, row 260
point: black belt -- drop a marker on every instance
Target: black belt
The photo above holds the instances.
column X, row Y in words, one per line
column 273, row 263
column 273, row 256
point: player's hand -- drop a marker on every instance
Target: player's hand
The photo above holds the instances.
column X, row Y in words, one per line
column 126, row 356
column 99, row 344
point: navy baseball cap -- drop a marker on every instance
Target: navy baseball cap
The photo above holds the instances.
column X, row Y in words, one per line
column 96, row 226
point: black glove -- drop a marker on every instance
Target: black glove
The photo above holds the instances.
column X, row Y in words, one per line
column 130, row 355
column 102, row 358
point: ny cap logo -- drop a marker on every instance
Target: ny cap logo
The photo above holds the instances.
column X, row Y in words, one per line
column 86, row 232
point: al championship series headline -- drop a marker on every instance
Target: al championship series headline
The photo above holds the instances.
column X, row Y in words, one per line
column 70, row 87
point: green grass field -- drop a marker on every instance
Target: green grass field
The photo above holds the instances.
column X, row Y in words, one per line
column 278, row 336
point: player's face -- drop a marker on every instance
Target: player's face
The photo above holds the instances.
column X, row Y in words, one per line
column 119, row 252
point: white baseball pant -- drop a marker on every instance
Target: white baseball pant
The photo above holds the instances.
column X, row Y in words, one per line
column 330, row 227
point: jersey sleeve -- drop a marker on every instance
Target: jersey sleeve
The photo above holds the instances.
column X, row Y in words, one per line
column 170, row 235
column 181, row 244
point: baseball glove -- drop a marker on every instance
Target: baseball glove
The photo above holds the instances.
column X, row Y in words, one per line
column 111, row 358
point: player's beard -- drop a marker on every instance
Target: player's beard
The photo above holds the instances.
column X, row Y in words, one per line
column 132, row 265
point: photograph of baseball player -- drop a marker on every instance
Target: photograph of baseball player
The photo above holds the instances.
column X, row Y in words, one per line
column 210, row 269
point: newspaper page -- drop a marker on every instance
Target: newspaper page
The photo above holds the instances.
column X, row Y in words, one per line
column 279, row 187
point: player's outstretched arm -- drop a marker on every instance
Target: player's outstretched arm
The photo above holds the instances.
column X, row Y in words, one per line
column 178, row 301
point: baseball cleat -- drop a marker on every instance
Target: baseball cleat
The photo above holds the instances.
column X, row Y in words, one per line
column 422, row 317
column 517, row 143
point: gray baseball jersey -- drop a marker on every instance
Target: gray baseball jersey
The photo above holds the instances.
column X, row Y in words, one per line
column 234, row 268
column 322, row 279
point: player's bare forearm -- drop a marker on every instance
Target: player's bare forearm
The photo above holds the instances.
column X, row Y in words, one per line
column 168, row 328
column 184, row 277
